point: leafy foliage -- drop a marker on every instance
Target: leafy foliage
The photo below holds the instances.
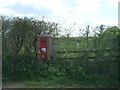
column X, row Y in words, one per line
column 20, row 34
column 20, row 51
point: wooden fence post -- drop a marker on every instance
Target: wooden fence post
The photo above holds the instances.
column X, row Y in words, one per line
column 53, row 51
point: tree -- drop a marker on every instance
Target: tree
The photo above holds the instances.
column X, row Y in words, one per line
column 20, row 34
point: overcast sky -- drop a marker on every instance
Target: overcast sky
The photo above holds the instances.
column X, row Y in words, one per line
column 82, row 12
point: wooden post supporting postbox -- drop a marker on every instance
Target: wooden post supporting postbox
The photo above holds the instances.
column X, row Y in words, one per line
column 46, row 49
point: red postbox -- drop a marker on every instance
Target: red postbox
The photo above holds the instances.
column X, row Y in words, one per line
column 45, row 48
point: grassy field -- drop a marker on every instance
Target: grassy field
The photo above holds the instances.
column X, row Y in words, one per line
column 65, row 82
column 66, row 74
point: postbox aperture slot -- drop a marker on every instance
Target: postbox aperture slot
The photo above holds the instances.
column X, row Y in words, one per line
column 43, row 41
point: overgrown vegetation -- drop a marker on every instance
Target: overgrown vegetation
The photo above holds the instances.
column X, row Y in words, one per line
column 20, row 52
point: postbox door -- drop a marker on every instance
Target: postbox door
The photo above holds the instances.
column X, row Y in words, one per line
column 43, row 48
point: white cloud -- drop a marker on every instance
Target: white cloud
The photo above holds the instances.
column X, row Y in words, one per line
column 6, row 11
column 105, row 22
column 113, row 3
column 61, row 10
column 4, row 3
